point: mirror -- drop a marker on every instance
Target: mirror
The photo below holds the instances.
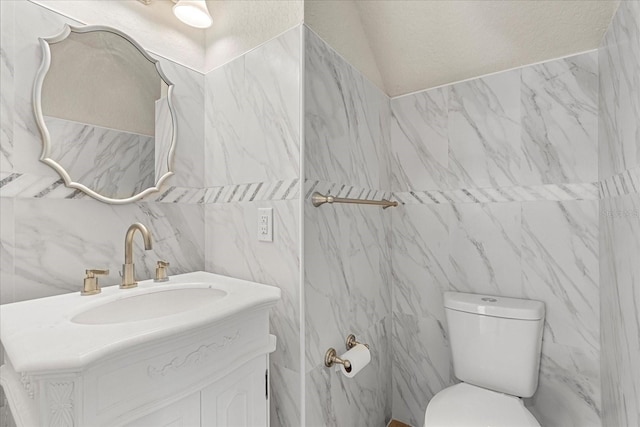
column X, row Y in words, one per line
column 103, row 106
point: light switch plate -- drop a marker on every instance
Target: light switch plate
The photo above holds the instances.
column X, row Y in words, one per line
column 265, row 224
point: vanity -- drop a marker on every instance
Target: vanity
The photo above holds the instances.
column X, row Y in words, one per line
column 192, row 351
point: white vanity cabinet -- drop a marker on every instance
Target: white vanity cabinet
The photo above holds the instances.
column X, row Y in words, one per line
column 207, row 367
column 239, row 400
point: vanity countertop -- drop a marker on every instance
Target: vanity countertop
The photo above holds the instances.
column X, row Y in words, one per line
column 39, row 335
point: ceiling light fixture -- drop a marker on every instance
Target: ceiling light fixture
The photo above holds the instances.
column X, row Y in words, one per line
column 193, row 13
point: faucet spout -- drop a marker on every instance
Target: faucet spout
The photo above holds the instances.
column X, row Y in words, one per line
column 128, row 241
column 128, row 268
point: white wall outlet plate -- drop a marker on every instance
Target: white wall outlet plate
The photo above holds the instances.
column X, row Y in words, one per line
column 265, row 224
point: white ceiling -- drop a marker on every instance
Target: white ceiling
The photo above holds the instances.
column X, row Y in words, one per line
column 405, row 46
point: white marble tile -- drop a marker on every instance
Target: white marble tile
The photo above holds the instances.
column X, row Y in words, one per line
column 484, row 132
column 559, row 114
column 285, row 396
column 253, row 115
column 26, row 185
column 421, row 365
column 420, row 254
column 256, row 191
column 485, row 248
column 188, row 101
column 56, row 240
column 568, row 392
column 225, row 142
column 619, row 100
column 560, row 268
column 620, row 305
column 626, row 182
column 344, row 129
column 619, row 155
column 555, row 192
column 7, row 64
column 384, row 146
column 36, row 22
column 347, row 273
column 273, row 86
column 7, row 244
column 333, row 400
column 420, row 141
column 233, row 249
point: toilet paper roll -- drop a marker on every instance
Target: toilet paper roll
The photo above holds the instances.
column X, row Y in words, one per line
column 359, row 357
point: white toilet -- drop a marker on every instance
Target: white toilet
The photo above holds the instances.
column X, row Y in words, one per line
column 495, row 343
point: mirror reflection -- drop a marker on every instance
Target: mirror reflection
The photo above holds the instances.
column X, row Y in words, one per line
column 105, row 114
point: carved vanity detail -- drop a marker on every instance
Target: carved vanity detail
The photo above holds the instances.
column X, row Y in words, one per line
column 206, row 366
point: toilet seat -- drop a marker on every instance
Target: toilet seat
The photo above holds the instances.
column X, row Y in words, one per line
column 466, row 405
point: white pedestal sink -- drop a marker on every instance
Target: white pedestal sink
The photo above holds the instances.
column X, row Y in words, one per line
column 192, row 351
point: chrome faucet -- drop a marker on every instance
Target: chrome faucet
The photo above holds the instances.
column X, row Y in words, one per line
column 128, row 268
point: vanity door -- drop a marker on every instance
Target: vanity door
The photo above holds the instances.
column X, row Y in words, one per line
column 238, row 400
column 183, row 413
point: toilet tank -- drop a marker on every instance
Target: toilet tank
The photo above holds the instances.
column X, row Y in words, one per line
column 495, row 341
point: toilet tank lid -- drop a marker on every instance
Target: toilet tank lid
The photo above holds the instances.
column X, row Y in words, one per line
column 488, row 305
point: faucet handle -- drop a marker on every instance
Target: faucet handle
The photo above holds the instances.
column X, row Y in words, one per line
column 91, row 285
column 96, row 272
column 161, row 271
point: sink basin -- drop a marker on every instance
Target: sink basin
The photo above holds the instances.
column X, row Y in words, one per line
column 149, row 306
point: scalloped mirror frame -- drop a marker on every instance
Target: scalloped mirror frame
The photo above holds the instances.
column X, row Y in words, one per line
column 46, row 138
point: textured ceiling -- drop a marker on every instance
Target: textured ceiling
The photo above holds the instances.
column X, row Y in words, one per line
column 405, row 46
column 241, row 25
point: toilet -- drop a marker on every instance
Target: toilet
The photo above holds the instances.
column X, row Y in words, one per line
column 495, row 344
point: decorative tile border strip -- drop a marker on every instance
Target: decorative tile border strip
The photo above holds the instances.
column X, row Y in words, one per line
column 185, row 195
column 554, row 192
column 22, row 185
column 343, row 190
column 19, row 185
column 32, row 186
column 623, row 183
column 279, row 190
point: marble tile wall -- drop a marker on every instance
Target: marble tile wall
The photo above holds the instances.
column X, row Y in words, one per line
column 48, row 238
column 619, row 155
column 253, row 114
column 347, row 270
column 499, row 179
column 252, row 160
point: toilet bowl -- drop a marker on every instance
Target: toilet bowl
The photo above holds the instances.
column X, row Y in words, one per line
column 466, row 405
column 495, row 347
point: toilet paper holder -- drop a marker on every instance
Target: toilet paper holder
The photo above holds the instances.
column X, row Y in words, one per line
column 331, row 356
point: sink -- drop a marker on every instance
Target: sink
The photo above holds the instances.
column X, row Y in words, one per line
column 79, row 331
column 149, row 305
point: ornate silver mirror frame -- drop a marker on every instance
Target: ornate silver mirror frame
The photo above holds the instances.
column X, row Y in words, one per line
column 45, row 156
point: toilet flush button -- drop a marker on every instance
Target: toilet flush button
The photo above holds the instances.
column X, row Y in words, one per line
column 487, row 299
